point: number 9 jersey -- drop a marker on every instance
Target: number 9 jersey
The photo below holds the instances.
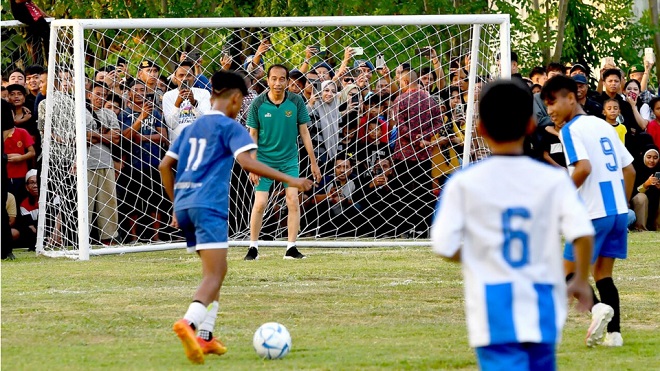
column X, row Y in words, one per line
column 506, row 214
column 590, row 138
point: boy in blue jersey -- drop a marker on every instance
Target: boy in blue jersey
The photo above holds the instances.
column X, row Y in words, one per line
column 203, row 157
column 515, row 292
column 602, row 170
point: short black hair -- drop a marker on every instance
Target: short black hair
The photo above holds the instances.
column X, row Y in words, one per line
column 225, row 81
column 298, row 76
column 611, row 100
column 16, row 87
column 610, row 72
column 535, row 86
column 632, row 81
column 343, row 156
column 34, row 69
column 285, row 68
column 17, row 70
column 538, row 70
column 426, row 71
column 99, row 84
column 505, row 108
column 558, row 67
column 653, row 102
column 559, row 84
column 114, row 97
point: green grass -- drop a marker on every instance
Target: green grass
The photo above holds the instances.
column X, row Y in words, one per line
column 347, row 309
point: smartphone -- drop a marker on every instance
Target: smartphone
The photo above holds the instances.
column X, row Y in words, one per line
column 649, row 55
column 423, row 52
column 316, row 85
column 357, row 50
column 184, row 85
column 355, row 99
column 458, row 110
column 380, row 62
column 193, row 55
column 633, row 95
column 657, row 175
column 150, row 97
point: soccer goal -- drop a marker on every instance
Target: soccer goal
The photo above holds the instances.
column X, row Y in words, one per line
column 383, row 195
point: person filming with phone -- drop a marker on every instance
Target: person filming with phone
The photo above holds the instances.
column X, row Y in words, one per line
column 184, row 104
column 646, row 192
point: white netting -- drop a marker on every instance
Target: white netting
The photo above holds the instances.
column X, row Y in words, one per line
column 400, row 151
column 20, row 48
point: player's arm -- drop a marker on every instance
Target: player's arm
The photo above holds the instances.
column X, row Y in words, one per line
column 448, row 227
column 166, row 167
column 309, row 147
column 582, row 171
column 629, row 179
column 254, row 134
column 253, row 166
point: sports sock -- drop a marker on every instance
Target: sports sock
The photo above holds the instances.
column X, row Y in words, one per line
column 207, row 326
column 593, row 293
column 195, row 314
column 254, row 244
column 290, row 245
column 610, row 296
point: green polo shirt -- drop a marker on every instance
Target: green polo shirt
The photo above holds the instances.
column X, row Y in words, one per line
column 277, row 126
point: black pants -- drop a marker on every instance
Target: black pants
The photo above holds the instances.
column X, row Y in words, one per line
column 417, row 193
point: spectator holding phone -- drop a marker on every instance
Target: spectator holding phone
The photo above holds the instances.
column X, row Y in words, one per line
column 324, row 131
column 149, row 72
column 181, row 106
column 254, row 64
column 201, row 81
column 641, row 110
column 646, row 193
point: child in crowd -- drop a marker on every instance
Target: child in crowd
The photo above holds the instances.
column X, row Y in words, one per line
column 611, row 112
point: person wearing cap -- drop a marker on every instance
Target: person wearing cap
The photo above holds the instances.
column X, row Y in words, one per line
column 325, row 72
column 29, row 214
column 578, row 69
column 365, row 72
column 641, row 74
column 590, row 106
column 149, row 72
column 181, row 106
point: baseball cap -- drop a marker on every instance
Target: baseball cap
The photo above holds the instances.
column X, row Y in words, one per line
column 14, row 87
column 578, row 66
column 580, row 79
column 635, row 68
column 363, row 63
column 148, row 63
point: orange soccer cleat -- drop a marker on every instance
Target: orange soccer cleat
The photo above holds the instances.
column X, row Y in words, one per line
column 213, row 346
column 190, row 345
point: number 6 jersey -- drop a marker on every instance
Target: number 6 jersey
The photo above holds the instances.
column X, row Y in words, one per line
column 506, row 214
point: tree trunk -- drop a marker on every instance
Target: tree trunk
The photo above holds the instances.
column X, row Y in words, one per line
column 561, row 25
column 653, row 7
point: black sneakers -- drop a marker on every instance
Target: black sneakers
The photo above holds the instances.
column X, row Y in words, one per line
column 252, row 254
column 293, row 253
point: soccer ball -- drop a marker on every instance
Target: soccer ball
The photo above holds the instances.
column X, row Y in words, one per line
column 272, row 341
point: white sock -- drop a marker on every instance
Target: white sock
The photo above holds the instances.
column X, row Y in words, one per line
column 254, row 244
column 290, row 245
column 196, row 313
column 211, row 315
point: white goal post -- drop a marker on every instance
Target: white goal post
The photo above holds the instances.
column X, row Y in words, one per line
column 467, row 47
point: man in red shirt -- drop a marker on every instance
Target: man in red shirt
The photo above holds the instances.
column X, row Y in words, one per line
column 18, row 146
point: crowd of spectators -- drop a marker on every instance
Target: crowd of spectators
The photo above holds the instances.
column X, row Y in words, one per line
column 386, row 142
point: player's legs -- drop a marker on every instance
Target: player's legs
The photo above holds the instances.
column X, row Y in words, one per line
column 256, row 219
column 541, row 356
column 293, row 219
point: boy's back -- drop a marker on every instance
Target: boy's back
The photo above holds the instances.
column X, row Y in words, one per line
column 205, row 152
column 590, row 138
column 508, row 212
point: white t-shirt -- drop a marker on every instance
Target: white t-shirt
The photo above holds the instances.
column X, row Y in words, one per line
column 508, row 213
column 590, row 138
column 178, row 118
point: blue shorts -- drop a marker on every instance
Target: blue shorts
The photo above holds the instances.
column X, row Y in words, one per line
column 611, row 240
column 203, row 228
column 517, row 356
column 290, row 168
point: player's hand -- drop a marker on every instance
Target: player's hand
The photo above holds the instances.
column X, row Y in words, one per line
column 580, row 290
column 254, row 178
column 302, row 184
column 175, row 222
column 316, row 172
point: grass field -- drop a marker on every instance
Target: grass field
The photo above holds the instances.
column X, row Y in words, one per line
column 346, row 309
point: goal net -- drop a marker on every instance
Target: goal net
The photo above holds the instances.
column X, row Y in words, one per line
column 391, row 101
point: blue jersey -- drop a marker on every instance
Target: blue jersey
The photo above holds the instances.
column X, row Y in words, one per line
column 205, row 152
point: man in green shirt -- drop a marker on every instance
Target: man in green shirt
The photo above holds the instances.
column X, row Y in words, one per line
column 275, row 120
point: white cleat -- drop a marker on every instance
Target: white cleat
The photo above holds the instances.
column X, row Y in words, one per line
column 613, row 339
column 601, row 315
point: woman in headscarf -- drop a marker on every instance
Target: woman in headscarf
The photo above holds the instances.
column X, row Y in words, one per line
column 646, row 194
column 324, row 110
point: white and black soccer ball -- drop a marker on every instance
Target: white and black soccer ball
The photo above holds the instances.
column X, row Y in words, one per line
column 272, row 341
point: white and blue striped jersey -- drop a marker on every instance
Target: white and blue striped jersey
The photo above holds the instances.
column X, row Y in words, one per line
column 506, row 214
column 590, row 138
column 205, row 151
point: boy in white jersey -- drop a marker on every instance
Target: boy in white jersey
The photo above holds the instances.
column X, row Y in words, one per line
column 601, row 168
column 516, row 295
column 205, row 153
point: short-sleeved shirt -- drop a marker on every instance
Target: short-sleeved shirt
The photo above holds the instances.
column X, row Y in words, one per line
column 147, row 152
column 11, row 205
column 621, row 131
column 18, row 143
column 277, row 126
column 99, row 155
column 590, row 138
column 205, row 152
column 550, row 143
column 509, row 237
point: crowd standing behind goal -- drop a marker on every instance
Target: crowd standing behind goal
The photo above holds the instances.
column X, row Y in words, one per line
column 385, row 142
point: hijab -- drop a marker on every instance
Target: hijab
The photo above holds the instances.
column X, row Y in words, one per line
column 328, row 122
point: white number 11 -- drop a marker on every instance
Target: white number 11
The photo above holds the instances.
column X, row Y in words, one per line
column 197, row 147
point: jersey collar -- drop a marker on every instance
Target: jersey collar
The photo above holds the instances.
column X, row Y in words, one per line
column 216, row 112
